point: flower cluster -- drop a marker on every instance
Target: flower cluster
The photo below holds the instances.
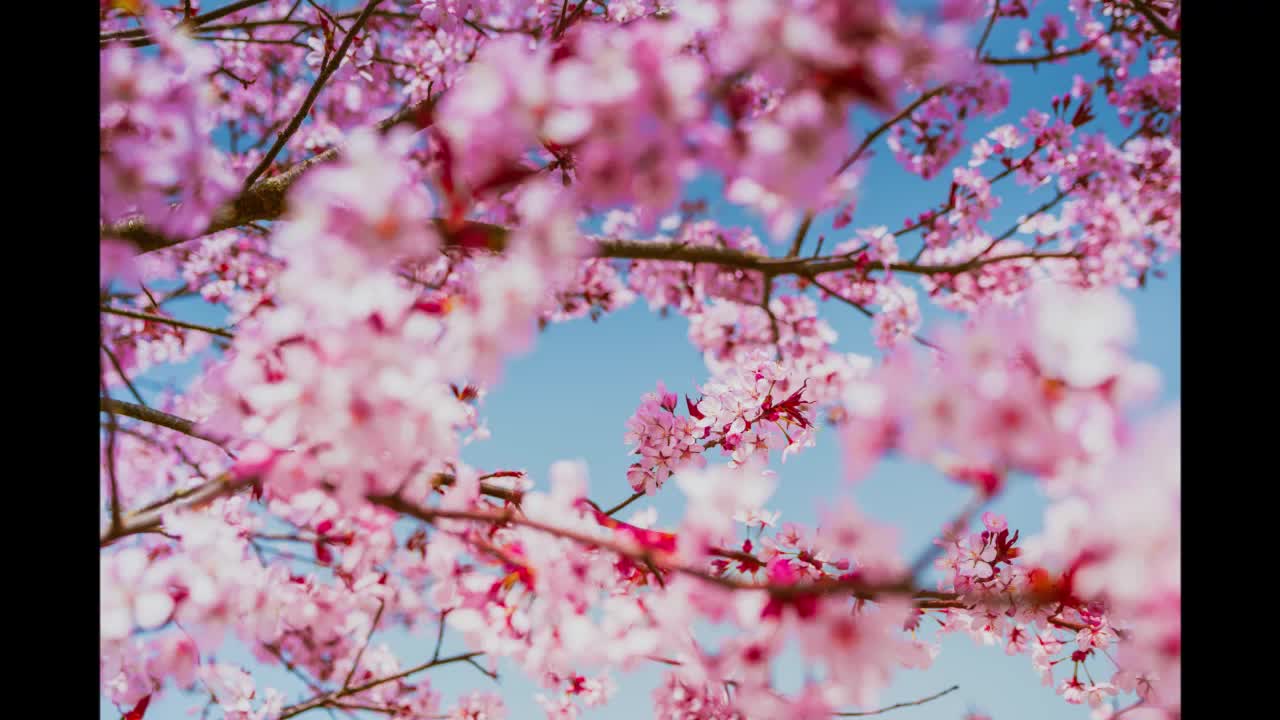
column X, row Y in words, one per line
column 1034, row 390
column 756, row 409
column 154, row 123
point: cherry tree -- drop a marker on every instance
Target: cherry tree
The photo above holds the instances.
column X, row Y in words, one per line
column 387, row 199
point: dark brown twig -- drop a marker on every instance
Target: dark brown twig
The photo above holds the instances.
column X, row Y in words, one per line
column 156, row 417
column 194, row 22
column 351, row 673
column 166, row 320
column 1037, row 59
column 1154, row 20
column 152, row 520
column 991, row 22
column 921, row 701
column 115, row 363
column 956, row 526
column 116, row 523
column 329, row 698
column 884, row 127
column 800, row 234
column 326, row 72
column 624, row 503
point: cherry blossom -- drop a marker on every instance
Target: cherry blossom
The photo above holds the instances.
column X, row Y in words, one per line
column 381, row 205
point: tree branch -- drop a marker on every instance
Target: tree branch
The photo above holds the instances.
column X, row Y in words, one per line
column 921, row 701
column 324, row 700
column 351, row 673
column 1154, row 20
column 194, row 22
column 1036, row 60
column 884, row 127
column 624, row 503
column 265, row 200
column 991, row 22
column 156, row 417
column 116, row 522
column 152, row 520
column 859, row 588
column 800, row 234
column 165, row 320
column 325, row 73
column 120, row 371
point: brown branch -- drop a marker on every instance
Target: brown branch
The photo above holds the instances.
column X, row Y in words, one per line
column 115, row 363
column 325, row 73
column 512, row 496
column 252, row 41
column 265, row 200
column 488, row 673
column 333, row 697
column 955, row 527
column 165, row 320
column 152, row 520
column 1057, row 198
column 884, row 127
column 1066, row 624
column 773, row 319
column 624, row 503
column 116, row 522
column 861, row 308
column 351, row 673
column 991, row 22
column 1154, row 20
column 156, row 417
column 288, row 665
column 800, row 234
column 326, row 15
column 194, row 22
column 1036, row 60
column 858, row 588
column 435, row 655
column 921, row 701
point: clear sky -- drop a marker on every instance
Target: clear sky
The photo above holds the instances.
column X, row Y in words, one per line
column 570, row 397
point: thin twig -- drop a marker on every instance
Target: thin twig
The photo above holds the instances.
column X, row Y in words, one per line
column 322, row 700
column 624, row 503
column 800, row 233
column 1027, row 218
column 156, row 417
column 991, row 22
column 116, row 523
column 152, row 520
column 471, row 661
column 1036, row 60
column 167, row 321
column 326, row 15
column 862, row 308
column 439, row 637
column 856, row 587
column 194, row 22
column 921, row 701
column 351, row 673
column 325, row 73
column 871, row 137
column 288, row 665
column 115, row 363
column 1154, row 20
column 773, row 318
column 956, row 526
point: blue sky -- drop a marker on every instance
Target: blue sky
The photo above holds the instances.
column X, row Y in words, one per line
column 570, row 397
